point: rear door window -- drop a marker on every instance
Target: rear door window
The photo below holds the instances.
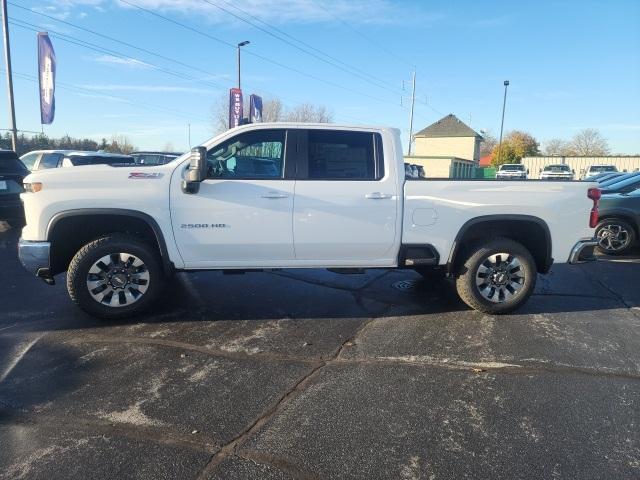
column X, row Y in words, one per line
column 341, row 155
column 49, row 160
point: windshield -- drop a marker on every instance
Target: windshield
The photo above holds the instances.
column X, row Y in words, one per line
column 618, row 179
column 622, row 183
column 557, row 168
column 602, row 168
column 512, row 168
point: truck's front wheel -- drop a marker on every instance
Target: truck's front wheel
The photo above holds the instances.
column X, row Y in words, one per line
column 115, row 276
column 497, row 277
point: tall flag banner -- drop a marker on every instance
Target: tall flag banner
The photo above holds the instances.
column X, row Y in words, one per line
column 46, row 78
column 235, row 107
column 255, row 108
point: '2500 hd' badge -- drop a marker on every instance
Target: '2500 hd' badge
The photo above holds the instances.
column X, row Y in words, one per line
column 205, row 225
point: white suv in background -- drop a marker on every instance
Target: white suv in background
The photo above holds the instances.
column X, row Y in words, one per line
column 512, row 171
column 596, row 169
column 557, row 172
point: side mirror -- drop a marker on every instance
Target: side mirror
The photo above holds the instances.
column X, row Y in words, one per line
column 527, row 171
column 540, row 171
column 573, row 171
column 197, row 171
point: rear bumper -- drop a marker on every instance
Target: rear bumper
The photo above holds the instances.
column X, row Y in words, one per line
column 35, row 258
column 582, row 251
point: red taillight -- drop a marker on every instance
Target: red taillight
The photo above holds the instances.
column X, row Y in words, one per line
column 594, row 194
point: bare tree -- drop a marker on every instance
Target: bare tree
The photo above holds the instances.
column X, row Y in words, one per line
column 119, row 144
column 589, row 142
column 556, row 146
column 309, row 113
column 488, row 144
column 272, row 111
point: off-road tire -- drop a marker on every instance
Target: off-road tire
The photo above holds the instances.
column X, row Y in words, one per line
column 468, row 289
column 83, row 260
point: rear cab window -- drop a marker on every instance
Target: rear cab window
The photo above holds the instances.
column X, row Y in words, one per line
column 340, row 155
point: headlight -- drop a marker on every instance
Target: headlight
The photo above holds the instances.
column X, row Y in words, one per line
column 34, row 187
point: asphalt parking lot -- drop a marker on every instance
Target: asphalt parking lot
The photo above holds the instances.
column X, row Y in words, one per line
column 311, row 374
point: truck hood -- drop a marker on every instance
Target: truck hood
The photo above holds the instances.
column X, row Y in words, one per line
column 99, row 173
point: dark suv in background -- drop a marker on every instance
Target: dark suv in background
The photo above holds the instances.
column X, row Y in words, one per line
column 12, row 172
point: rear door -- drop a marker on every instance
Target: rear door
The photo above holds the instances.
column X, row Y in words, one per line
column 346, row 199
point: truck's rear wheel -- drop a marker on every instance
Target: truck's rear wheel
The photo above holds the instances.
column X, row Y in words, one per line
column 115, row 276
column 497, row 276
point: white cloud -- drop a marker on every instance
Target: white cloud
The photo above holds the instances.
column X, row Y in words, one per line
column 126, row 62
column 275, row 11
column 144, row 88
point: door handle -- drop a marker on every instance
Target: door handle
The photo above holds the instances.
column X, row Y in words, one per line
column 274, row 195
column 377, row 196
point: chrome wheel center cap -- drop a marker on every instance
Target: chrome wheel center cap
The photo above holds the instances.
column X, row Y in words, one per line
column 119, row 280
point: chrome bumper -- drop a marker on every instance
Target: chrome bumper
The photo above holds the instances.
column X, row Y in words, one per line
column 34, row 257
column 582, row 251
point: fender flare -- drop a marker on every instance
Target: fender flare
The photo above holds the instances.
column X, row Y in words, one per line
column 148, row 219
column 455, row 247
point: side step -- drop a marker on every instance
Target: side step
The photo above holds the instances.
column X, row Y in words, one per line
column 347, row 271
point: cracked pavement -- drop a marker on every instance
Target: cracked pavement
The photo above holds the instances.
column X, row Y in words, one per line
column 314, row 375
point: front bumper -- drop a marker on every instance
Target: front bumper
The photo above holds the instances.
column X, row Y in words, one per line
column 582, row 251
column 35, row 258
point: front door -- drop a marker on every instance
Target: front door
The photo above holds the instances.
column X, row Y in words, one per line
column 242, row 214
column 346, row 205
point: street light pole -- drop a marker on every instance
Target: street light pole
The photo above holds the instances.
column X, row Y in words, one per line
column 7, row 57
column 241, row 44
column 504, row 103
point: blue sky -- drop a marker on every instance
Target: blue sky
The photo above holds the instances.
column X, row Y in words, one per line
column 571, row 64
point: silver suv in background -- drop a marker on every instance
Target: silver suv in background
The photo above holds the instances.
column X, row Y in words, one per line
column 43, row 159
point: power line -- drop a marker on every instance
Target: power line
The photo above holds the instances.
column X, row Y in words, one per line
column 330, row 60
column 97, row 48
column 249, row 52
column 93, row 32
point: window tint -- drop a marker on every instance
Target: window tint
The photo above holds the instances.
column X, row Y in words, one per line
column 253, row 155
column 9, row 163
column 49, row 160
column 340, row 155
column 29, row 159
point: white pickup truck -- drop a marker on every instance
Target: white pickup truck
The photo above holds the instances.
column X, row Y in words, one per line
column 274, row 196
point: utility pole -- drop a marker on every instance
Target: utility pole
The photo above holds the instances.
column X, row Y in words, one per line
column 504, row 103
column 413, row 103
column 241, row 44
column 7, row 57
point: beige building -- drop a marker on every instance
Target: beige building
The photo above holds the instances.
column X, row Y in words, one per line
column 448, row 148
column 580, row 164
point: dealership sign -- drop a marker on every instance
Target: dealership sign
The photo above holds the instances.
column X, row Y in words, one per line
column 235, row 107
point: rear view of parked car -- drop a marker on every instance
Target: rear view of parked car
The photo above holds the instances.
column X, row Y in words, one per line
column 512, row 171
column 12, row 172
column 43, row 159
column 557, row 172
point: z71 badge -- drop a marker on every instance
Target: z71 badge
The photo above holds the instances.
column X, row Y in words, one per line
column 205, row 225
column 146, row 175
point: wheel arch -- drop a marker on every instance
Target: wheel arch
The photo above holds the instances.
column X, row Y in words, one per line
column 87, row 224
column 630, row 217
column 533, row 232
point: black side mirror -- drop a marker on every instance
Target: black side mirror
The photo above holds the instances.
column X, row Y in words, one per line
column 197, row 171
